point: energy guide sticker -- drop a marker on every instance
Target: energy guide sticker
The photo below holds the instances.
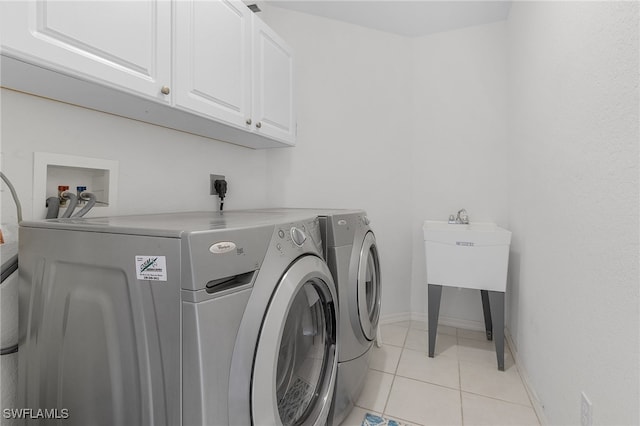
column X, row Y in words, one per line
column 153, row 268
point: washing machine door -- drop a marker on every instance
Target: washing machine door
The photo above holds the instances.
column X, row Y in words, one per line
column 369, row 290
column 295, row 365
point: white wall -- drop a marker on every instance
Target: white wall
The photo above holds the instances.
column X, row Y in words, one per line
column 459, row 150
column 526, row 124
column 161, row 170
column 407, row 129
column 354, row 135
column 573, row 205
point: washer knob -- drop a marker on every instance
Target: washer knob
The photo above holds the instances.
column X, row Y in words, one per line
column 366, row 220
column 298, row 236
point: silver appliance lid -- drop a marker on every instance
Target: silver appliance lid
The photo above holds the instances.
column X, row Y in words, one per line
column 173, row 225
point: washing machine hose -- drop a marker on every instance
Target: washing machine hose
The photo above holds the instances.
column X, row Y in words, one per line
column 73, row 202
column 53, row 207
column 14, row 194
column 11, row 266
column 91, row 201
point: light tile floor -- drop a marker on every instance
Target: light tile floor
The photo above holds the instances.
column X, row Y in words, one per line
column 461, row 385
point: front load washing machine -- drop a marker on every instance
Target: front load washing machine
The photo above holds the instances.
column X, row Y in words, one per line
column 187, row 318
column 350, row 250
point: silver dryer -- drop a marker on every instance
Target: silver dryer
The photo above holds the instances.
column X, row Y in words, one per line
column 351, row 251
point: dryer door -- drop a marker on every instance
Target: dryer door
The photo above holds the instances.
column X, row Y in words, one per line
column 369, row 287
column 295, row 365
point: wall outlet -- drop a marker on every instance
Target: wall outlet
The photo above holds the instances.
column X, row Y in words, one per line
column 212, row 179
column 586, row 411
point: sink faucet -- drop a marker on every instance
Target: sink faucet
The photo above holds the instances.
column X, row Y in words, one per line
column 461, row 218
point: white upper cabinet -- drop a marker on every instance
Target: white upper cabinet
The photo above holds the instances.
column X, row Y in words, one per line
column 208, row 67
column 232, row 66
column 213, row 59
column 273, row 109
column 121, row 44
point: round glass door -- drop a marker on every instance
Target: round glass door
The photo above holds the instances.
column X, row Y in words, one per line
column 369, row 287
column 302, row 353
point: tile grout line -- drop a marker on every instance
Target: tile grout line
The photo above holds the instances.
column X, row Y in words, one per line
column 395, row 372
column 459, row 378
column 493, row 398
column 459, row 364
column 386, row 402
column 384, row 372
column 427, row 382
column 395, row 375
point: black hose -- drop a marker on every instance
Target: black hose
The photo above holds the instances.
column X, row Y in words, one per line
column 53, row 207
column 8, row 268
column 9, row 350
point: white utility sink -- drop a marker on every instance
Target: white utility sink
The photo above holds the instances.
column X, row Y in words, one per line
column 471, row 255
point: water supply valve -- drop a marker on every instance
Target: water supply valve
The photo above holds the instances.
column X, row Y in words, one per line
column 79, row 191
column 61, row 190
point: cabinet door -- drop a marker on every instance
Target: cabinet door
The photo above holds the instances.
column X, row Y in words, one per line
column 213, row 59
column 272, row 84
column 122, row 44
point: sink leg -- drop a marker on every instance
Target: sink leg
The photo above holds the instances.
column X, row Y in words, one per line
column 496, row 299
column 434, row 295
column 486, row 309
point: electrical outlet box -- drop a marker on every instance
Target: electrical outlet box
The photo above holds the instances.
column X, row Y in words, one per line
column 212, row 179
column 586, row 411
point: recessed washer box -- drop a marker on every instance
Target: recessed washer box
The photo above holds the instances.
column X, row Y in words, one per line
column 100, row 176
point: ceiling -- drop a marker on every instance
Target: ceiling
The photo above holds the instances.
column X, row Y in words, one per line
column 408, row 18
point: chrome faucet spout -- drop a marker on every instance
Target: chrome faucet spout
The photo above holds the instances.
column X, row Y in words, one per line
column 461, row 218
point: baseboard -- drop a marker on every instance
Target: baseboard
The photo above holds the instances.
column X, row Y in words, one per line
column 442, row 320
column 461, row 323
column 419, row 316
column 535, row 401
column 391, row 318
column 450, row 321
